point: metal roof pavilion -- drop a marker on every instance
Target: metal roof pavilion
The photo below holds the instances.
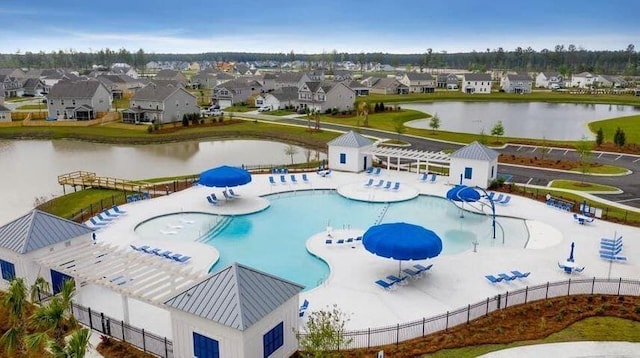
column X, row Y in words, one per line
column 409, row 154
column 147, row 277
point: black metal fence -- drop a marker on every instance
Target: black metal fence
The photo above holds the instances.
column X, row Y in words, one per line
column 395, row 334
column 148, row 342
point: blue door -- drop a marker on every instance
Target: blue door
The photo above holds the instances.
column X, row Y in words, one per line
column 205, row 347
column 57, row 280
column 8, row 270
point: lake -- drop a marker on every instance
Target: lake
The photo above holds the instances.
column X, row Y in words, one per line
column 537, row 120
column 30, row 168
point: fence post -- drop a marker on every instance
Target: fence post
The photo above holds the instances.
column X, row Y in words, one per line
column 446, row 324
column 619, row 284
column 369, row 337
column 144, row 342
column 526, row 293
column 546, row 294
column 569, row 287
column 468, row 313
column 166, row 349
column 423, row 322
column 90, row 209
column 593, row 283
column 124, row 339
column 104, row 330
column 398, row 334
column 486, row 311
column 506, row 299
column 90, row 318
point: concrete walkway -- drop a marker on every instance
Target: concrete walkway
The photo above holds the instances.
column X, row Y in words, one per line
column 571, row 350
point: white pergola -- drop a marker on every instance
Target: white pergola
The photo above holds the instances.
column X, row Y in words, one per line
column 418, row 156
column 147, row 277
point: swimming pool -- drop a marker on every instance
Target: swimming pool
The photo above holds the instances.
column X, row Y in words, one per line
column 274, row 240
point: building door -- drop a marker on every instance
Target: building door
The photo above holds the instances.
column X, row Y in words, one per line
column 205, row 347
column 57, row 280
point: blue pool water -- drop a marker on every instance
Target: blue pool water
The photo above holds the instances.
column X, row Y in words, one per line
column 274, row 240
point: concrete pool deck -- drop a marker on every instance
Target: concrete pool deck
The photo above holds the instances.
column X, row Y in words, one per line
column 453, row 282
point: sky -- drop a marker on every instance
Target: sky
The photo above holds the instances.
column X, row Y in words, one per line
column 316, row 26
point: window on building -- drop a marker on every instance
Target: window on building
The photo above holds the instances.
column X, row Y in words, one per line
column 343, row 158
column 8, row 270
column 273, row 339
column 492, row 171
column 73, row 102
column 205, row 347
column 467, row 172
column 62, row 102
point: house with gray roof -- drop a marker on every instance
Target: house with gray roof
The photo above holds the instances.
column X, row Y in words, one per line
column 324, row 96
column 78, row 100
column 285, row 97
column 516, row 83
column 447, row 80
column 34, row 236
column 359, row 88
column 234, row 92
column 121, row 85
column 171, row 75
column 236, row 312
column 550, row 80
column 34, row 87
column 610, row 81
column 342, row 75
column 12, row 86
column 350, row 152
column 476, row 83
column 209, row 78
column 12, row 72
column 474, row 165
column 419, row 82
column 290, row 79
column 583, row 80
column 160, row 105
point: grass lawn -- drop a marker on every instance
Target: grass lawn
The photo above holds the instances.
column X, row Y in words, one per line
column 590, row 329
column 605, row 169
column 279, row 112
column 630, row 125
column 238, row 108
column 386, row 121
column 67, row 205
column 586, row 186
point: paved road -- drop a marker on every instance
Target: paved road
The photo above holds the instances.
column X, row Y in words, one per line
column 629, row 184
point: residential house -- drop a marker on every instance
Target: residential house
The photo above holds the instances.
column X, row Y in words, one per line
column 386, row 85
column 121, row 85
column 124, row 70
column 5, row 113
column 13, row 72
column 12, row 86
column 34, row 87
column 152, row 65
column 171, row 75
column 516, row 83
column 194, row 66
column 234, row 92
column 609, row 81
column 358, row 88
column 160, row 105
column 476, row 83
column 583, row 80
column 419, row 82
column 447, row 80
column 553, row 80
column 342, row 75
column 636, row 92
column 236, row 312
column 323, row 96
column 242, row 69
column 290, row 79
column 52, row 76
column 268, row 81
column 79, row 100
column 285, row 97
column 316, row 75
column 209, row 79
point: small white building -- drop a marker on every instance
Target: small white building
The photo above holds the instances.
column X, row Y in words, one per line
column 347, row 153
column 237, row 312
column 474, row 165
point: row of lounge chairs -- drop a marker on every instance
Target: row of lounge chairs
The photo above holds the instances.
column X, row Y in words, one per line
column 505, row 277
column 293, row 179
column 501, row 199
column 228, row 194
column 381, row 184
column 343, row 241
column 105, row 217
column 559, row 204
column 373, row 171
column 279, row 171
column 610, row 249
column 324, row 172
column 417, row 272
column 137, row 197
column 160, row 253
column 582, row 219
column 428, row 178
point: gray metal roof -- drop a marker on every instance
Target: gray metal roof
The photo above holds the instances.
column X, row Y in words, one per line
column 154, row 92
column 38, row 229
column 351, row 139
column 237, row 297
column 74, row 89
column 286, row 94
column 416, row 76
column 475, row 151
column 518, row 77
column 477, row 77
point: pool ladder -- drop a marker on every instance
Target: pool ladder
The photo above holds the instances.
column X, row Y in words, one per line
column 217, row 228
column 382, row 214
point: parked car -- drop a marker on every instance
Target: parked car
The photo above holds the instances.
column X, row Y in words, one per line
column 211, row 111
column 264, row 109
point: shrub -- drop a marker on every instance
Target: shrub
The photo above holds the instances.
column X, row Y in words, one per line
column 149, row 129
column 637, row 309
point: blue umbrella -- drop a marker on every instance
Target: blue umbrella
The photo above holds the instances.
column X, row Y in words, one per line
column 224, row 176
column 570, row 259
column 463, row 193
column 402, row 241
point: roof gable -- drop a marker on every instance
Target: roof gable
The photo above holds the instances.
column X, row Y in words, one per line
column 75, row 89
column 237, row 297
column 475, row 151
column 38, row 229
column 351, row 139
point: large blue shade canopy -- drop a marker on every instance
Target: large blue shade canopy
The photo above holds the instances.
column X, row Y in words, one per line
column 463, row 193
column 224, row 176
column 402, row 241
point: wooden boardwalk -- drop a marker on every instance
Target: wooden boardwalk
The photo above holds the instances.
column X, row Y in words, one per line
column 91, row 180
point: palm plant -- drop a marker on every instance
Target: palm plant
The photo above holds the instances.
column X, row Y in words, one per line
column 40, row 285
column 75, row 347
column 51, row 319
column 15, row 302
column 290, row 150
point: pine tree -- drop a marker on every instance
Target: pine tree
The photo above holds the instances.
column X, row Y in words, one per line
column 599, row 137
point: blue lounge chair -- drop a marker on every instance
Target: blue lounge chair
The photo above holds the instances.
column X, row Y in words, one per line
column 110, row 214
column 283, row 180
column 369, row 170
column 397, row 280
column 433, row 179
column 227, row 196
column 499, row 198
column 135, row 247
column 328, row 241
column 421, row 268
column 396, row 186
column 424, row 177
column 580, row 269
column 144, row 248
column 349, row 240
column 212, row 201
column 369, row 183
column 386, row 285
column 493, row 279
column 613, row 257
column 102, row 218
column 147, row 249
column 293, row 179
column 505, row 201
column 96, row 223
column 412, row 273
column 387, row 186
column 506, row 277
column 167, row 255
column 181, row 259
column 377, row 171
column 359, row 238
column 154, row 251
column 305, row 179
column 379, row 185
column 490, row 195
column 273, row 182
column 164, row 253
column 340, row 241
column 117, row 210
column 233, row 193
column 519, row 274
column 303, row 308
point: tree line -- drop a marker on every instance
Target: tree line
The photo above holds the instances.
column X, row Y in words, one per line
column 566, row 60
